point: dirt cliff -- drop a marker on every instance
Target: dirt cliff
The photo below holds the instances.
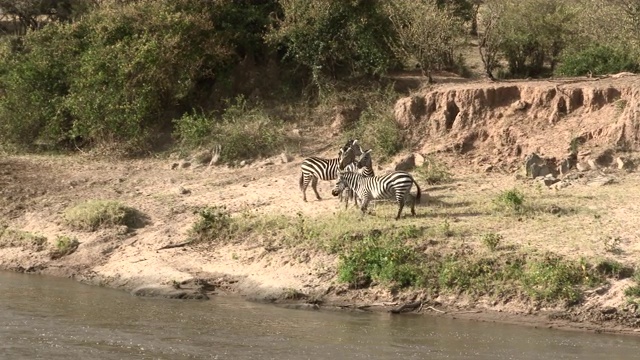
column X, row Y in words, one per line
column 504, row 121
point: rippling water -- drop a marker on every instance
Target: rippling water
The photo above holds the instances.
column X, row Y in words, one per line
column 51, row 318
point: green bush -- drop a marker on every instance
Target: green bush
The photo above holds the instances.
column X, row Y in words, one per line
column 92, row 214
column 335, row 37
column 597, row 60
column 243, row 131
column 214, row 223
column 379, row 259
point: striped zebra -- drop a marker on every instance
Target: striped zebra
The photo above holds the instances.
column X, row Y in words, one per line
column 394, row 185
column 365, row 167
column 315, row 168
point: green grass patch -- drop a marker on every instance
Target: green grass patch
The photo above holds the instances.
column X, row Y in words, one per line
column 64, row 245
column 93, row 214
column 511, row 200
column 491, row 240
column 18, row 238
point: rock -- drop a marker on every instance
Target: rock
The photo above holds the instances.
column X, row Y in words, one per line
column 608, row 310
column 520, row 105
column 601, row 181
column 168, row 292
column 531, row 160
column 623, row 163
column 406, row 164
column 560, row 185
column 549, row 180
column 175, row 166
column 536, row 170
column 215, row 154
column 418, row 159
column 592, row 164
column 183, row 191
column 285, row 158
column 583, row 166
column 488, row 168
column 243, row 162
column 185, row 164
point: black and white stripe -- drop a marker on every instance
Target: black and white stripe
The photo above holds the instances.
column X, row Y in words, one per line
column 364, row 166
column 315, row 168
column 394, row 185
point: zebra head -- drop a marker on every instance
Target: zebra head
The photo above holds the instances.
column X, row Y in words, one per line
column 351, row 144
column 348, row 156
column 340, row 185
column 365, row 160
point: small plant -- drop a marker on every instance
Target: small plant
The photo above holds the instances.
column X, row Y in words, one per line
column 65, row 245
column 214, row 223
column 18, row 238
column 445, row 229
column 491, row 240
column 93, row 214
column 612, row 268
column 434, row 172
column 512, row 199
column 377, row 259
column 620, row 104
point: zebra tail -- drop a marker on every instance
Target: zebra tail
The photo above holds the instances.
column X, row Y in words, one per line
column 417, row 187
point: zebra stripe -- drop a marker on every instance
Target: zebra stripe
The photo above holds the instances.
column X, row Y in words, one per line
column 315, row 168
column 365, row 167
column 394, row 185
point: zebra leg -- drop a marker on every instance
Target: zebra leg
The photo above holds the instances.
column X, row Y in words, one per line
column 304, row 182
column 314, row 186
column 400, row 206
column 413, row 205
column 363, row 205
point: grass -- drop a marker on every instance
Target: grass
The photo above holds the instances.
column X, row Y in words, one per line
column 455, row 244
column 93, row 214
column 18, row 238
column 433, row 172
column 64, row 245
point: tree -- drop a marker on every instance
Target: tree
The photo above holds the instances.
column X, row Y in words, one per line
column 425, row 33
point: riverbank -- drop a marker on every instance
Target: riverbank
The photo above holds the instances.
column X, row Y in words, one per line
column 488, row 242
column 273, row 269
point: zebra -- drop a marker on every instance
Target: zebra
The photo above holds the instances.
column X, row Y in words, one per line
column 314, row 168
column 365, row 167
column 396, row 184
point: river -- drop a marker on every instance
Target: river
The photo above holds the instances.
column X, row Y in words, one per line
column 52, row 318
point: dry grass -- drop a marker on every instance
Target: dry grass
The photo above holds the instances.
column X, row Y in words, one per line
column 92, row 214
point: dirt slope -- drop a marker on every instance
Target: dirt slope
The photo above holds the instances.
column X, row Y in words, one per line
column 468, row 125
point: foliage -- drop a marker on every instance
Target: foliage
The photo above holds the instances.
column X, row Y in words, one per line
column 491, row 240
column 92, row 214
column 379, row 259
column 18, row 238
column 434, row 171
column 597, row 60
column 529, row 33
column 65, row 245
column 424, row 33
column 214, row 223
column 512, row 199
column 552, row 278
column 243, row 131
column 334, row 37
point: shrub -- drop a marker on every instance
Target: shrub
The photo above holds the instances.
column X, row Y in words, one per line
column 335, row 37
column 92, row 214
column 512, row 199
column 243, row 131
column 377, row 259
column 214, row 223
column 552, row 278
column 597, row 60
column 64, row 246
column 491, row 240
column 434, row 172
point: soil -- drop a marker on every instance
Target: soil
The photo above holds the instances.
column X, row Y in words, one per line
column 482, row 130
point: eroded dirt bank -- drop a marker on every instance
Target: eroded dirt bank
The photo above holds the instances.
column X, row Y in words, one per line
column 482, row 131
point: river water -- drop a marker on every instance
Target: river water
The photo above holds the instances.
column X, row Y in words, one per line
column 53, row 318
